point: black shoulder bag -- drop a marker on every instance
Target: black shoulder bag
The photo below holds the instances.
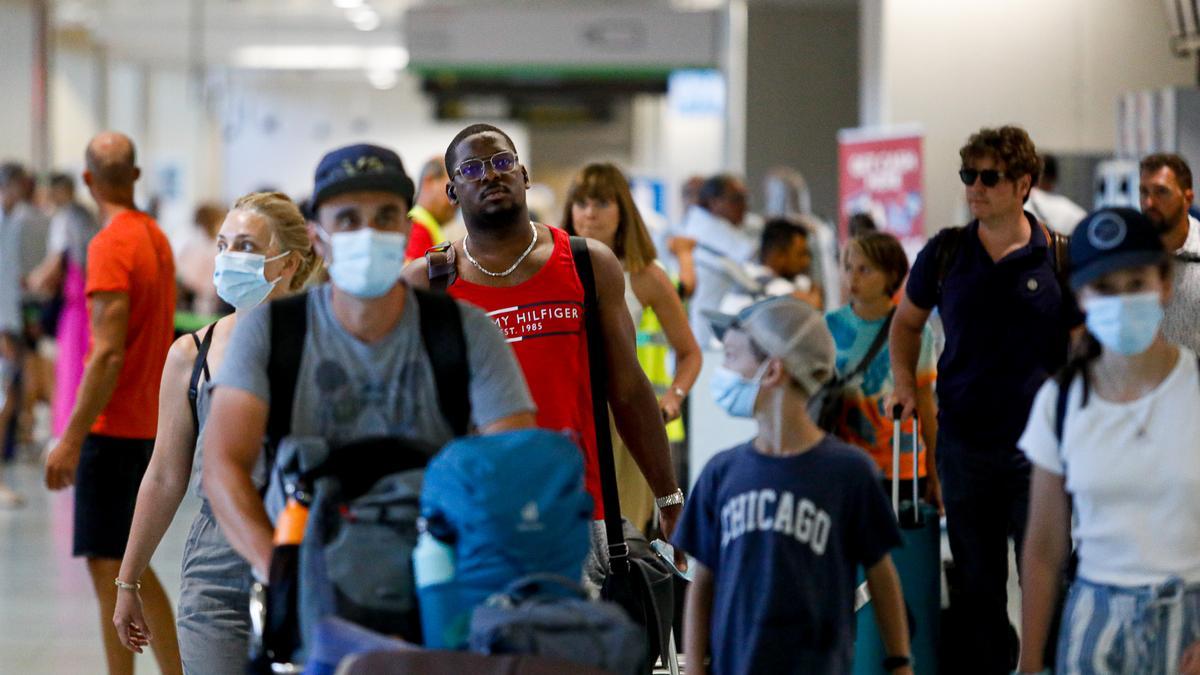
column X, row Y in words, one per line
column 826, row 406
column 637, row 579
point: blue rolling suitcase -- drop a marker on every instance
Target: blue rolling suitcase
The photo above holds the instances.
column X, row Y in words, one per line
column 918, row 561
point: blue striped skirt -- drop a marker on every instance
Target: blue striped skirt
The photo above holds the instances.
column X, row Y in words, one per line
column 1127, row 629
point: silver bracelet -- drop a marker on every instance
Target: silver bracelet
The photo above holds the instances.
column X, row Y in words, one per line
column 673, row 499
column 135, row 586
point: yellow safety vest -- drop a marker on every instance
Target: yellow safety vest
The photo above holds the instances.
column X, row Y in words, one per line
column 420, row 214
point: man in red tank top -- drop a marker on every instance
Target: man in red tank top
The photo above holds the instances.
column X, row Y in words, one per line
column 523, row 275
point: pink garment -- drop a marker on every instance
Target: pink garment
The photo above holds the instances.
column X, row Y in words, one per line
column 72, row 345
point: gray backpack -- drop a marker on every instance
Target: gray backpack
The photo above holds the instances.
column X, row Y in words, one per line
column 549, row 615
column 356, row 557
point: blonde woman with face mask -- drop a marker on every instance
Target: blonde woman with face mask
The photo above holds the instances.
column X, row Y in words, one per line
column 263, row 252
column 1115, row 445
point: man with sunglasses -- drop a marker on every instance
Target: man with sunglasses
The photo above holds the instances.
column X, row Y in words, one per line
column 1007, row 320
column 523, row 274
column 364, row 370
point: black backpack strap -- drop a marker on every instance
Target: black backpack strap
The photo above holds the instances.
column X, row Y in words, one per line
column 1064, row 394
column 1059, row 245
column 618, row 551
column 1062, row 256
column 199, row 368
column 949, row 243
column 289, row 326
column 1060, row 410
column 446, row 344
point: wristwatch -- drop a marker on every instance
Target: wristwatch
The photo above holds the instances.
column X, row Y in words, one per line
column 893, row 662
column 675, row 498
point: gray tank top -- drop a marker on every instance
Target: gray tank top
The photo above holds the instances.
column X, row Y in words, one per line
column 204, row 389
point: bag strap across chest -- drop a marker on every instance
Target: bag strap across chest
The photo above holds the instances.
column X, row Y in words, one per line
column 441, row 335
column 954, row 238
column 618, row 550
column 199, row 369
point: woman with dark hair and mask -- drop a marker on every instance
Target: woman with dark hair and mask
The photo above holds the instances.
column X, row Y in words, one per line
column 263, row 252
column 1115, row 444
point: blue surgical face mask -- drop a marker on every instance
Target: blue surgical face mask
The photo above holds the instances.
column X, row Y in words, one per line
column 1126, row 324
column 241, row 279
column 736, row 394
column 366, row 262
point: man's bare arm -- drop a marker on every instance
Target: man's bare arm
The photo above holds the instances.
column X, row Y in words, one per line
column 231, row 449
column 904, row 344
column 631, row 397
column 109, row 326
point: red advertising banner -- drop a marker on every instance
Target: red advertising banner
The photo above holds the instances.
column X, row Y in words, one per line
column 881, row 175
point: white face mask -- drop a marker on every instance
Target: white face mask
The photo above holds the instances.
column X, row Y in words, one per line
column 241, row 279
column 366, row 262
column 1126, row 324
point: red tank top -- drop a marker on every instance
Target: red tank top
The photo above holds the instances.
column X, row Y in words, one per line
column 542, row 319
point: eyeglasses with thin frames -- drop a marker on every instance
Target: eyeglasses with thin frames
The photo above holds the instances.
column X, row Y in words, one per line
column 476, row 169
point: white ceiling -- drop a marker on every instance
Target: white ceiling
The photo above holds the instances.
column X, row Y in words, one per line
column 213, row 31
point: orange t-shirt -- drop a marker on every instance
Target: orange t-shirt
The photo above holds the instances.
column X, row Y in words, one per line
column 131, row 255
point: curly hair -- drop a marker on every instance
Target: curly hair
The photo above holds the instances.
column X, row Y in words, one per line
column 288, row 227
column 1007, row 145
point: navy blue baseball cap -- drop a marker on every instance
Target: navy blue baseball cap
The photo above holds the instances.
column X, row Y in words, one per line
column 360, row 167
column 1112, row 239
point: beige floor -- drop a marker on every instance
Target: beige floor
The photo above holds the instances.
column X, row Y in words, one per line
column 49, row 621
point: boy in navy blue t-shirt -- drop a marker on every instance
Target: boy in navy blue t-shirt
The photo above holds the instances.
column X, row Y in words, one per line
column 779, row 525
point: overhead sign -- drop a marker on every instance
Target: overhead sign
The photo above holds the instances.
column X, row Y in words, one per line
column 614, row 39
column 880, row 174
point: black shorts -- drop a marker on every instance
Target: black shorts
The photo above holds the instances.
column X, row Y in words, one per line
column 106, row 487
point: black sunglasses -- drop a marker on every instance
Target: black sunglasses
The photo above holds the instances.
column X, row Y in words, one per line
column 989, row 177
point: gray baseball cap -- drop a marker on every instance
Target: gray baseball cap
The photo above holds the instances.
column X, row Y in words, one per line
column 788, row 329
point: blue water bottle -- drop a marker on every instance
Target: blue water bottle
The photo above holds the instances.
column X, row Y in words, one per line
column 433, row 571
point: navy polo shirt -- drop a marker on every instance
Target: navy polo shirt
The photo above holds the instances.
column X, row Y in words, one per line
column 1007, row 327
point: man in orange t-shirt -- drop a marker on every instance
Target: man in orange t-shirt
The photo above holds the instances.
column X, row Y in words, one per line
column 107, row 444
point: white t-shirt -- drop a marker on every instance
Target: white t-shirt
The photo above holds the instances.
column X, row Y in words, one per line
column 1181, row 324
column 1058, row 212
column 720, row 248
column 1136, row 495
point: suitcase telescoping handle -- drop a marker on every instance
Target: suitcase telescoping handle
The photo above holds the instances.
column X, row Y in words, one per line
column 897, row 423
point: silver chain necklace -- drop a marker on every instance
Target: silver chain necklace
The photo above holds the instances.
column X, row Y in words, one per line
column 520, row 259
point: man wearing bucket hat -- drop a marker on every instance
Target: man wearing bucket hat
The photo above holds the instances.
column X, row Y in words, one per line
column 1119, row 426
column 779, row 525
column 364, row 369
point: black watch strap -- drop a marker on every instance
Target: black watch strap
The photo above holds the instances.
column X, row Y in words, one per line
column 893, row 662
